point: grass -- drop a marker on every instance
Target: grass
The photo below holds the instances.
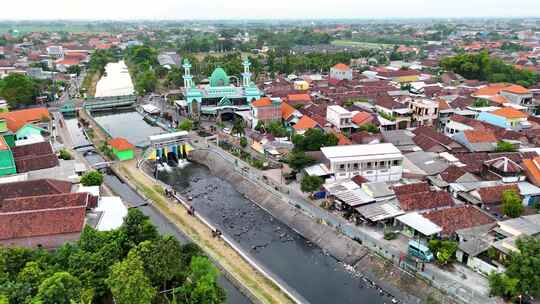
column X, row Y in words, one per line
column 270, row 294
column 361, row 45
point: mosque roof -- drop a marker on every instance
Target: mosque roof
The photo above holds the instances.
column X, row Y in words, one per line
column 219, row 78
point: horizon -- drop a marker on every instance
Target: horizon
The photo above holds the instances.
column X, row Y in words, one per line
column 215, row 10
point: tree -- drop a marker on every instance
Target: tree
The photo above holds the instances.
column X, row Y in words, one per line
column 243, row 142
column 502, row 285
column 162, row 260
column 185, row 125
column 260, row 126
column 18, row 90
column 504, row 146
column 74, row 69
column 238, row 127
column 138, row 228
column 369, row 127
column 201, row 285
column 92, row 178
column 444, row 250
column 60, row 288
column 313, row 140
column 145, row 82
column 64, row 154
column 511, row 204
column 128, row 282
column 310, row 183
column 174, row 77
column 277, row 129
column 298, row 160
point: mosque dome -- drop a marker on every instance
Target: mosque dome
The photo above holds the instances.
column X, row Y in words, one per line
column 219, row 78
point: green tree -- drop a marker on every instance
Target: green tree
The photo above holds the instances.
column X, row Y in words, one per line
column 174, row 77
column 145, row 82
column 162, row 260
column 201, row 284
column 369, row 127
column 64, row 154
column 277, row 129
column 92, row 178
column 128, row 282
column 503, row 286
column 313, row 140
column 504, row 146
column 185, row 125
column 310, row 183
column 298, row 160
column 60, row 288
column 511, row 204
column 243, row 142
column 18, row 90
column 138, row 228
column 74, row 69
column 444, row 250
column 238, row 127
column 524, row 265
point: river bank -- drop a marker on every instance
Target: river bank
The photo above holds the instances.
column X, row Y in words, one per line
column 357, row 258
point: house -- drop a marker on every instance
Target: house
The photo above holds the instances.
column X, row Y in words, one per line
column 392, row 115
column 303, row 124
column 7, row 163
column 477, row 140
column 424, row 112
column 341, row 71
column 520, row 96
column 424, row 200
column 339, row 117
column 34, row 156
column 507, row 118
column 414, row 224
column 459, row 217
column 458, row 123
column 361, row 118
column 42, row 213
column 504, row 169
column 266, row 110
column 509, row 231
column 298, row 99
column 121, row 148
column 23, row 124
column 492, row 196
column 532, row 170
column 376, row 162
column 430, row 140
column 55, row 51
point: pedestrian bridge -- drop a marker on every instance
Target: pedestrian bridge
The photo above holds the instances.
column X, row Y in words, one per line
column 109, row 102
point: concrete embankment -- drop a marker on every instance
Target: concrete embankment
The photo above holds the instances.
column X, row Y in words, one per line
column 372, row 267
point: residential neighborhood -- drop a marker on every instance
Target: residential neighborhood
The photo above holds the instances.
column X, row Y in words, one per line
column 396, row 161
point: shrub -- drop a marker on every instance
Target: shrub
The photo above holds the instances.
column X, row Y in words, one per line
column 65, row 155
column 92, row 178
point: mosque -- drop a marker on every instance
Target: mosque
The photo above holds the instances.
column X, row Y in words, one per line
column 219, row 97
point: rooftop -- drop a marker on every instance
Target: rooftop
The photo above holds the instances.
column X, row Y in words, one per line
column 452, row 219
column 361, row 150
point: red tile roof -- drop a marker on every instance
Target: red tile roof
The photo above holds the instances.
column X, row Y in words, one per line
column 34, row 157
column 479, row 136
column 33, row 188
column 299, row 98
column 305, row 123
column 411, row 188
column 509, row 113
column 516, row 89
column 362, row 118
column 17, row 119
column 452, row 219
column 532, row 169
column 341, row 66
column 262, row 102
column 452, row 174
column 120, row 144
column 425, row 200
column 493, row 195
column 286, row 110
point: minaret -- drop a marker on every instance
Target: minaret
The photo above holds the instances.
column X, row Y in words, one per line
column 246, row 76
column 188, row 78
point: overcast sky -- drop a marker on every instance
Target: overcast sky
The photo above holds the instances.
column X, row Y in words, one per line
column 262, row 9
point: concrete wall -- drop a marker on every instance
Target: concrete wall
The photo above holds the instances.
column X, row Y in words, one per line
column 46, row 241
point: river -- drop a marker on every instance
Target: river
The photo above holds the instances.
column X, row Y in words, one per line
column 315, row 275
column 115, row 82
column 127, row 124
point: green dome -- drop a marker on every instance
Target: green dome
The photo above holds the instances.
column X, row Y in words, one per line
column 219, row 78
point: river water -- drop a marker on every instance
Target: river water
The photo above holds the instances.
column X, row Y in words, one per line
column 115, row 82
column 127, row 124
column 315, row 275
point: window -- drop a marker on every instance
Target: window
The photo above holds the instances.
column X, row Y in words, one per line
column 355, row 166
column 396, row 162
column 369, row 165
column 342, row 167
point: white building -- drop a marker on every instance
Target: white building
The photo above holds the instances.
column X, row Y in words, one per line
column 424, row 112
column 55, row 51
column 375, row 162
column 339, row 117
column 341, row 71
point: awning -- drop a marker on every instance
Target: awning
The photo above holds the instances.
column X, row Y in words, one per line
column 419, row 223
column 379, row 211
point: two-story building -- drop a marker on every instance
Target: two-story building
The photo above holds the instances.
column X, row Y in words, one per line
column 339, row 117
column 375, row 162
column 341, row 71
column 508, row 118
column 265, row 110
column 424, row 112
column 520, row 96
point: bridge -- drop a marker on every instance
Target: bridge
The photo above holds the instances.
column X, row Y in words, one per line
column 109, row 102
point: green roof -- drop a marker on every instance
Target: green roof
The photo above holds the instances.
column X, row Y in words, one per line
column 219, row 78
